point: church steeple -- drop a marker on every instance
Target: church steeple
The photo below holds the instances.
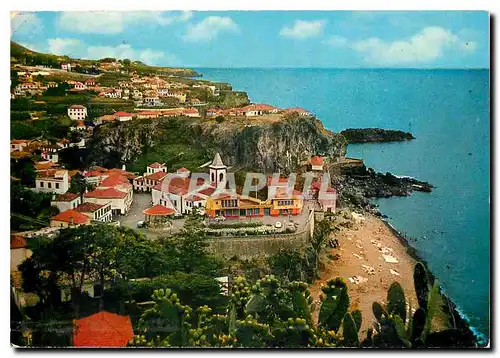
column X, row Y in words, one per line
column 218, row 171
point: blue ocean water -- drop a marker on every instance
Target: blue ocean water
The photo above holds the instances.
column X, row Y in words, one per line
column 448, row 111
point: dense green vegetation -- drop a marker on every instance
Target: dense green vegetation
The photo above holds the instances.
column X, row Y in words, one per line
column 29, row 210
column 42, row 128
column 174, row 146
column 276, row 315
column 168, row 289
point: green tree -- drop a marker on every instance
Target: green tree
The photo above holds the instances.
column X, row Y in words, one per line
column 23, row 169
column 79, row 185
column 321, row 235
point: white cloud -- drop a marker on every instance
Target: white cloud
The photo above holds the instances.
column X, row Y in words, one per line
column 25, row 23
column 79, row 49
column 303, row 29
column 337, row 41
column 68, row 47
column 148, row 56
column 425, row 46
column 210, row 28
column 111, row 22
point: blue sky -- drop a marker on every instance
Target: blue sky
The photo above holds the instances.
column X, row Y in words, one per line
column 432, row 39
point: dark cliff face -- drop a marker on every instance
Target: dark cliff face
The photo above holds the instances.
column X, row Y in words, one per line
column 275, row 146
column 265, row 147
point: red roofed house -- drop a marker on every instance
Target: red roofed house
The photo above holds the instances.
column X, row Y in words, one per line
column 52, row 181
column 316, row 163
column 66, row 201
column 77, row 112
column 123, row 116
column 158, row 213
column 90, row 83
column 155, row 173
column 147, row 114
column 255, row 110
column 69, row 218
column 80, row 86
column 300, row 111
column 103, row 330
column 120, row 201
column 190, row 112
column 18, row 144
column 18, row 251
column 326, row 197
column 96, row 212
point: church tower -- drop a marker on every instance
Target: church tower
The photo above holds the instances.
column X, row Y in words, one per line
column 218, row 172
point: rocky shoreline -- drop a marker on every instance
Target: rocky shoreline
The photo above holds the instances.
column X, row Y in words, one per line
column 356, row 185
column 371, row 135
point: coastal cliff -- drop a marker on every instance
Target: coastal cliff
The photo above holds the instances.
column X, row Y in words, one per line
column 270, row 147
column 280, row 145
column 368, row 135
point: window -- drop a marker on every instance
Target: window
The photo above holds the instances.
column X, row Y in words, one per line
column 57, row 185
column 221, row 176
column 41, row 184
column 213, row 177
column 97, row 290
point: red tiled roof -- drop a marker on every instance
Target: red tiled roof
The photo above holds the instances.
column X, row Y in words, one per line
column 156, row 176
column 182, row 170
column 110, row 193
column 71, row 216
column 156, row 165
column 123, row 114
column 159, row 210
column 77, row 106
column 66, row 197
column 113, row 180
column 44, row 166
column 17, row 242
column 88, row 207
column 315, row 160
column 18, row 141
column 103, row 329
column 258, row 107
column 189, row 111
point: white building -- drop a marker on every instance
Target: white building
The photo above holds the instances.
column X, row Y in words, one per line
column 123, row 116
column 50, row 156
column 77, row 112
column 66, row 66
column 80, row 86
column 66, row 201
column 18, row 144
column 52, row 181
column 151, row 101
column 218, row 171
column 96, row 212
column 120, row 201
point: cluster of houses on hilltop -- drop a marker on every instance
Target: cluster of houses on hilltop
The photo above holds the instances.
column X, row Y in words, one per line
column 179, row 193
column 48, row 151
column 255, row 110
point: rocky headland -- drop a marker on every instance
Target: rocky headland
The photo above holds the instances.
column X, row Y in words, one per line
column 370, row 135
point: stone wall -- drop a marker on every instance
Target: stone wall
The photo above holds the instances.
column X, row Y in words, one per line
column 248, row 246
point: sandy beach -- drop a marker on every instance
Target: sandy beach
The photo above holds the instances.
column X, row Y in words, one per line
column 371, row 257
